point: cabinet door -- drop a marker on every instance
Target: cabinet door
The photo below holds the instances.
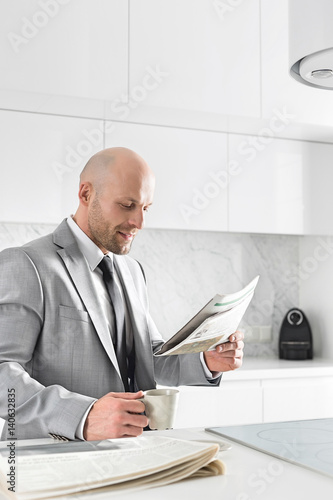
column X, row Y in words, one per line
column 233, row 403
column 42, row 157
column 297, row 399
column 191, row 176
column 279, row 90
column 63, row 57
column 280, row 186
column 317, row 188
column 209, row 53
column 266, row 191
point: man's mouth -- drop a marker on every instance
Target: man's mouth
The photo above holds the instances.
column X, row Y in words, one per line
column 126, row 236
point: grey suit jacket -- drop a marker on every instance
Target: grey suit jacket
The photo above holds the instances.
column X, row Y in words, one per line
column 56, row 351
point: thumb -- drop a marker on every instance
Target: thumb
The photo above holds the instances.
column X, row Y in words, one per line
column 126, row 395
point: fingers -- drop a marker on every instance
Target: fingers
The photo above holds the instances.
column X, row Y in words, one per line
column 238, row 335
column 115, row 415
column 127, row 401
column 226, row 356
column 125, row 395
column 235, row 343
column 131, row 431
column 115, row 404
column 230, row 347
column 133, row 406
column 235, row 363
column 126, row 419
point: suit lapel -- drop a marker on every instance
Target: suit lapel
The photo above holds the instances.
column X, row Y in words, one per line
column 144, row 372
column 77, row 268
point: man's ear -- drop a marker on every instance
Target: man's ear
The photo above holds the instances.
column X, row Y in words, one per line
column 85, row 192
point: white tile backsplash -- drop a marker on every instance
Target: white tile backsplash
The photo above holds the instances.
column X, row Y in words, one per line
column 186, row 268
column 12, row 235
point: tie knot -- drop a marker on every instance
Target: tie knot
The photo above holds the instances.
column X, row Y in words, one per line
column 106, row 266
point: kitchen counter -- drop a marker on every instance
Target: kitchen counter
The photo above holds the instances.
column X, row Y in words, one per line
column 274, row 368
column 250, row 475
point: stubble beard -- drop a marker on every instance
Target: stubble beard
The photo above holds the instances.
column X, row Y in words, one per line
column 103, row 235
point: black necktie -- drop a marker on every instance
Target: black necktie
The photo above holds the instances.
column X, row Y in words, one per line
column 119, row 337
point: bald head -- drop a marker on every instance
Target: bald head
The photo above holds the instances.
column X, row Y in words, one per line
column 116, row 190
column 114, row 165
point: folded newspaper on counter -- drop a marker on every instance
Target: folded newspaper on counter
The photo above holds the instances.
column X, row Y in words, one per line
column 212, row 325
column 79, row 468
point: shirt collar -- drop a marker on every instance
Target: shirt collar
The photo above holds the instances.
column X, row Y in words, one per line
column 90, row 250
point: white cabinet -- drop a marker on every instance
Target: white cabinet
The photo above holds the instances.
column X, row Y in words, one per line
column 209, row 55
column 297, row 399
column 279, row 89
column 41, row 159
column 317, row 187
column 205, row 180
column 269, row 390
column 63, row 57
column 280, row 186
column 233, row 403
column 266, row 196
column 190, row 168
column 161, row 61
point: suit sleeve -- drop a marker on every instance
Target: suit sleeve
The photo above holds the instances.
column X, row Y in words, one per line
column 39, row 410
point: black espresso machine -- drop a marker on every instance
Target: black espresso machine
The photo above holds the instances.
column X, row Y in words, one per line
column 295, row 340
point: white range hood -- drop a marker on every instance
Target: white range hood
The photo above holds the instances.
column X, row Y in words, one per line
column 311, row 42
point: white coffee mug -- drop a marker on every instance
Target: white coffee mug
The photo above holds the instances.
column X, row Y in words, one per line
column 161, row 407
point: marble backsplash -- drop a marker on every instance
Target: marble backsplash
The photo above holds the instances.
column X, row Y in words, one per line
column 185, row 269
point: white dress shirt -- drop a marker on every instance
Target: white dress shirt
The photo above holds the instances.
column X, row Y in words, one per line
column 94, row 256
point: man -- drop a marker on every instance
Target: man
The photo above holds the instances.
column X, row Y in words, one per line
column 72, row 328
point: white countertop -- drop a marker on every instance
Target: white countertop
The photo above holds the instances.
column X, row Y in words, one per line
column 250, row 475
column 270, row 368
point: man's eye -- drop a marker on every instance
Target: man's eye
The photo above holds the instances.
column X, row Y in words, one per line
column 126, row 206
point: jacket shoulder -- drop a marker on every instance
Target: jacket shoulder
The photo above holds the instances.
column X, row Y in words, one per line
column 135, row 267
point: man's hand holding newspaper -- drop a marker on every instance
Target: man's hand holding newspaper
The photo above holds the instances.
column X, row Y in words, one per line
column 227, row 356
column 213, row 331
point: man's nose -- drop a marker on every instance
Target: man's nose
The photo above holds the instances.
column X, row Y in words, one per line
column 137, row 219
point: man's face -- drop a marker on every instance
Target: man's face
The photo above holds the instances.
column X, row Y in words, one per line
column 117, row 213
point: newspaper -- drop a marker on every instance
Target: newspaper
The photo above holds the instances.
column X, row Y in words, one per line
column 131, row 463
column 212, row 325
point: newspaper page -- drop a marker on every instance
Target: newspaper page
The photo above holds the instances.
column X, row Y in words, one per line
column 212, row 325
column 130, row 463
